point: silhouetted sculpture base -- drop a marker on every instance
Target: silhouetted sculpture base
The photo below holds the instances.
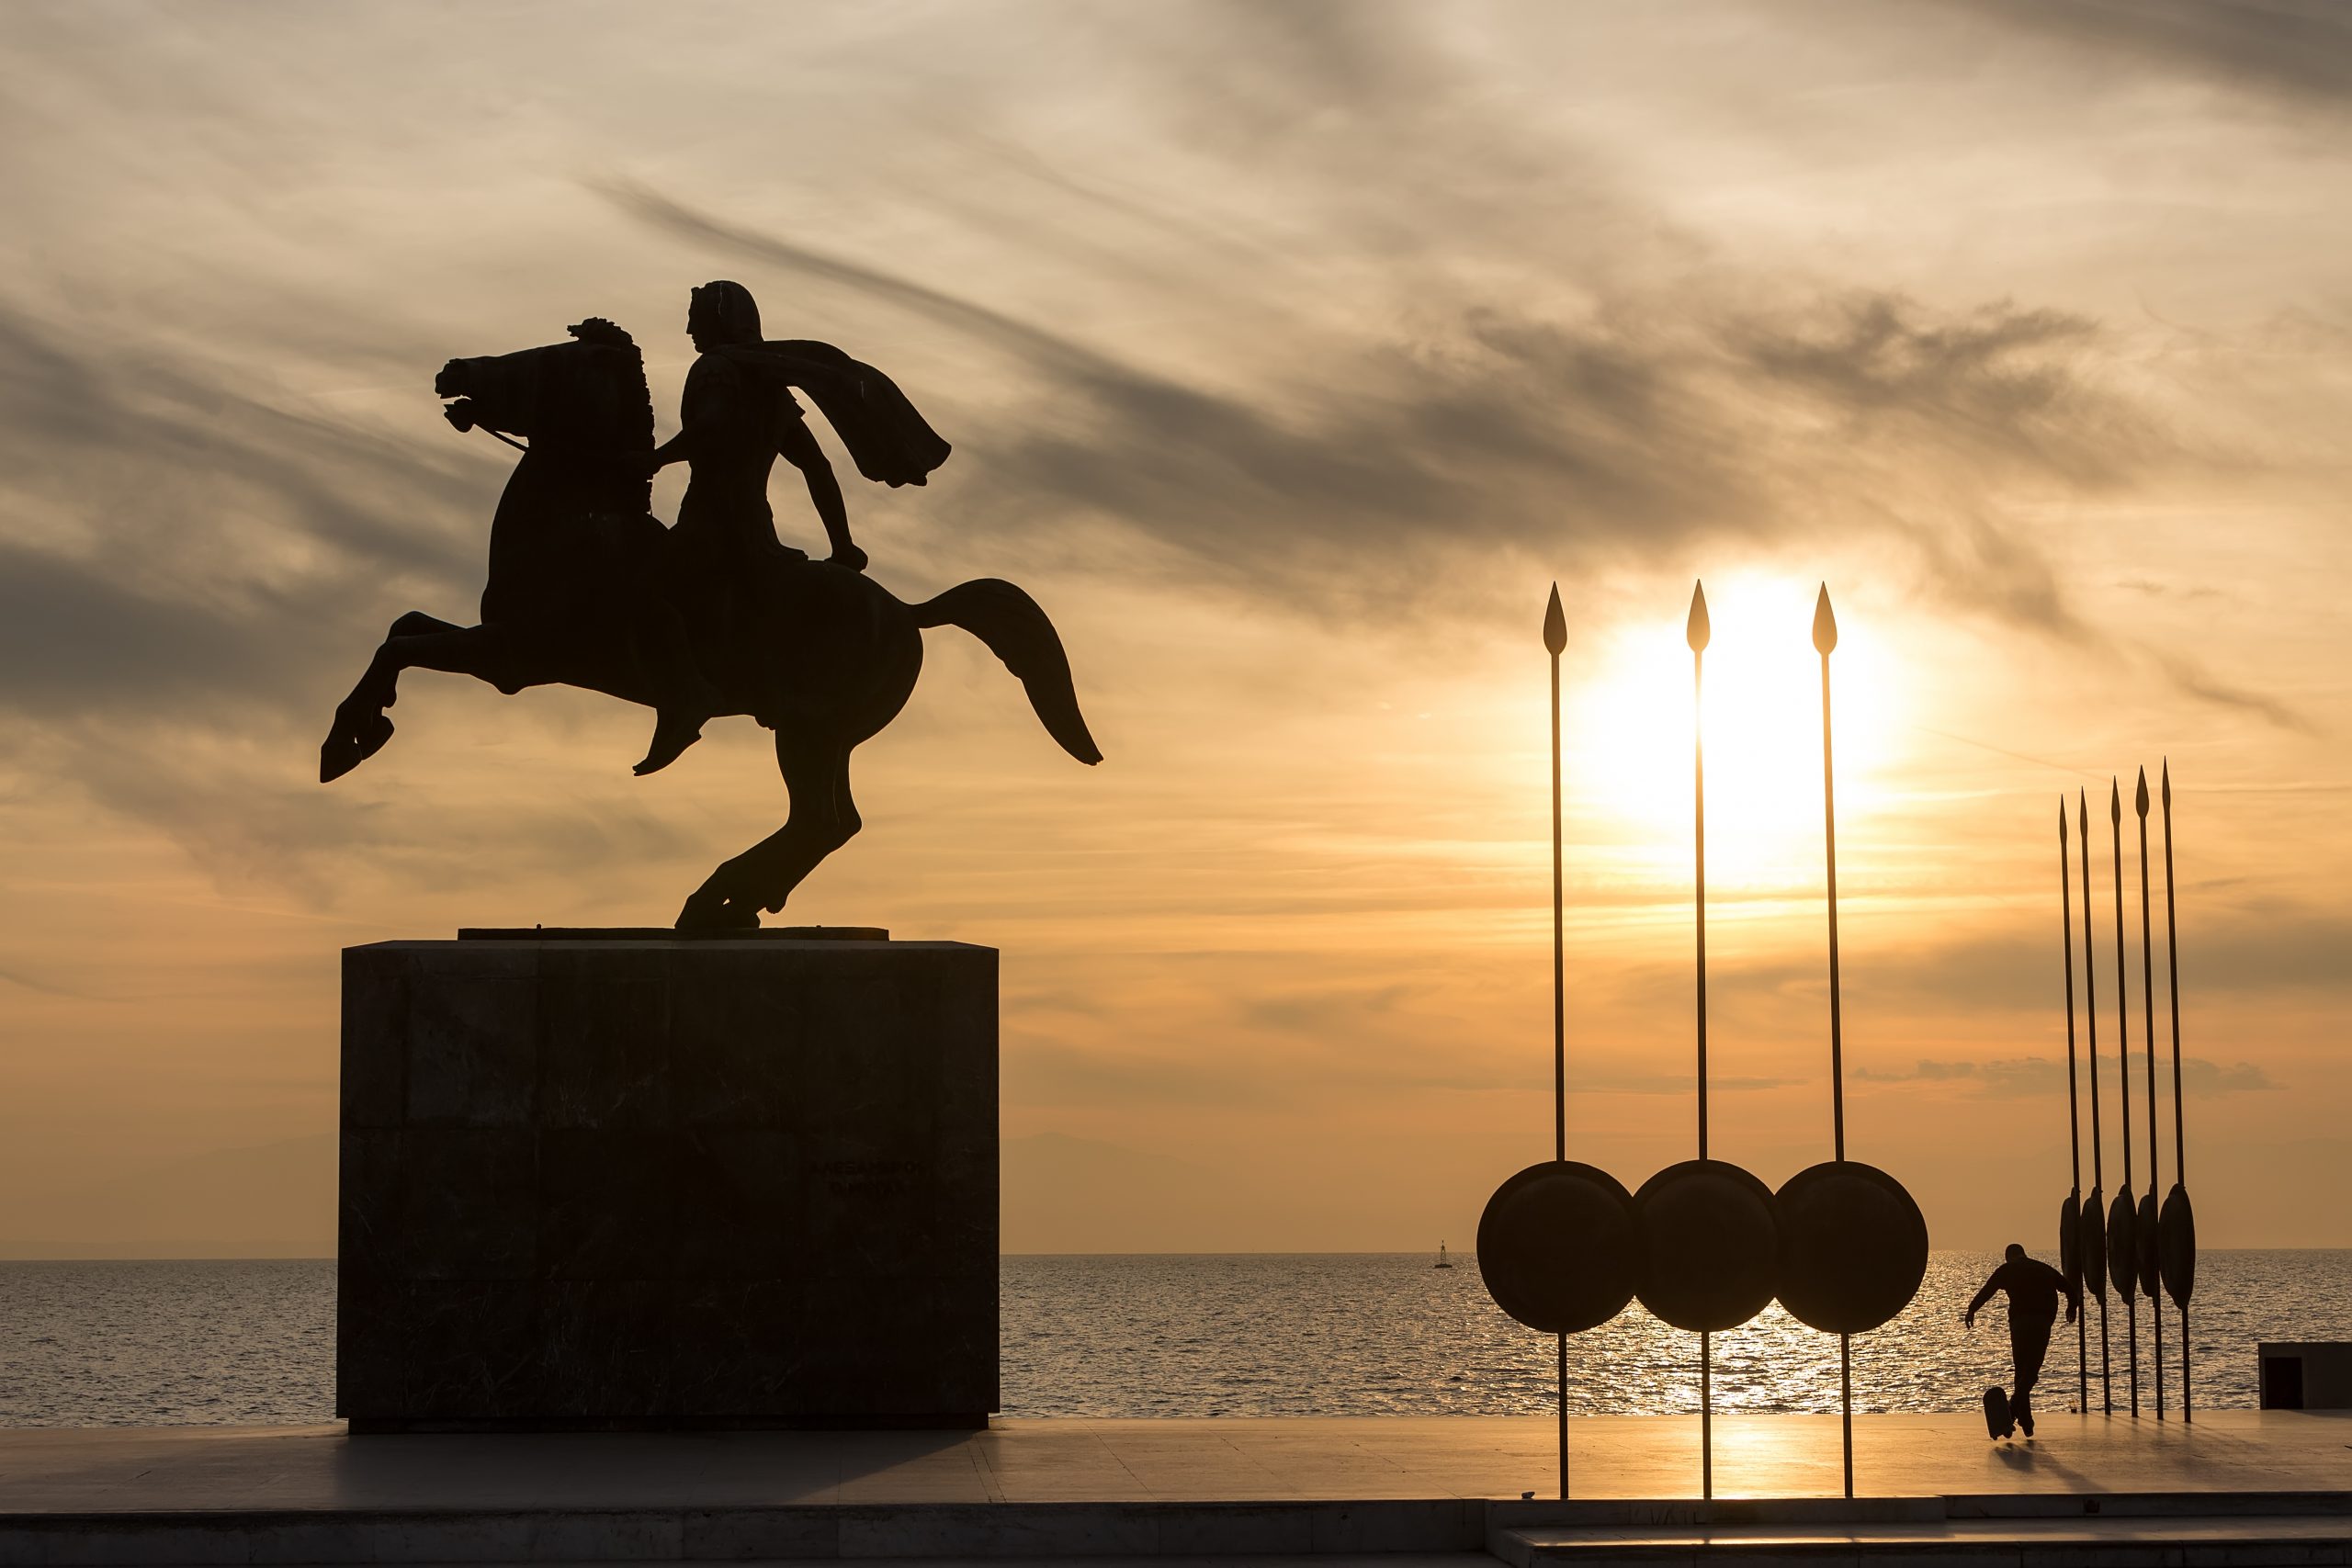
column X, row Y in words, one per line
column 667, row 1183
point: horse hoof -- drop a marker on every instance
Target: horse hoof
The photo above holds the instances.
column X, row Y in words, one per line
column 707, row 912
column 346, row 749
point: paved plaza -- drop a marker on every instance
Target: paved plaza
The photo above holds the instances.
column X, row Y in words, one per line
column 1238, row 1460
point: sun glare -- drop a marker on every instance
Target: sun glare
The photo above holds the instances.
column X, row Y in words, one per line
column 1629, row 734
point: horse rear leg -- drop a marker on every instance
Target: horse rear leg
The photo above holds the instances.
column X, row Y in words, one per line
column 823, row 817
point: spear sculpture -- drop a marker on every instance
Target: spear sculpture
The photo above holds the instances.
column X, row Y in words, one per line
column 2178, row 1226
column 1555, row 640
column 1852, row 1243
column 1697, row 633
column 2070, row 1223
column 1559, row 1246
column 2093, row 1215
column 2143, row 1229
column 1825, row 641
column 2122, row 1257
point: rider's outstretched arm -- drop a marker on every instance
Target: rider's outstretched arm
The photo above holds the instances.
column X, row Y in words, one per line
column 1984, row 1295
column 798, row 445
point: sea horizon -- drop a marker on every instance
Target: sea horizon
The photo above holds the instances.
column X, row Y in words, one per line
column 224, row 1341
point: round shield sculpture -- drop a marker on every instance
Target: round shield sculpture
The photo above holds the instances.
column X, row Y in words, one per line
column 2177, row 1245
column 2144, row 1244
column 1558, row 1247
column 2123, row 1249
column 2094, row 1243
column 1710, row 1245
column 1853, row 1246
column 2070, row 1242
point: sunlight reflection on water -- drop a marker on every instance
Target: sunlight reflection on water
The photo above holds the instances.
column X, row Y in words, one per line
column 1369, row 1335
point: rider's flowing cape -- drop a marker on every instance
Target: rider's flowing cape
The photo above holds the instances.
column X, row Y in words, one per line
column 890, row 442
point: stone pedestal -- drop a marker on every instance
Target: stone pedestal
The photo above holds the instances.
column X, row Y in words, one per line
column 655, row 1181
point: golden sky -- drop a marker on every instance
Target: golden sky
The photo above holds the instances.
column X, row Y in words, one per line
column 1290, row 353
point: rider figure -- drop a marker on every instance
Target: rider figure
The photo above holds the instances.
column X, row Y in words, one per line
column 734, row 423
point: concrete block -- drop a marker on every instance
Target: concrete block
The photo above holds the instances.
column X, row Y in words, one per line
column 649, row 1181
column 2305, row 1374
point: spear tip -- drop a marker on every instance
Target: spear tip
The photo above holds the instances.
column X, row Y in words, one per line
column 1555, row 624
column 1825, row 623
column 2139, row 800
column 2115, row 801
column 2168, row 783
column 1696, row 631
column 2061, row 816
column 2082, row 811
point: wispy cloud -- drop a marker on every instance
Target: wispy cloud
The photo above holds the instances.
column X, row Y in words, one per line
column 2038, row 1078
column 1649, row 421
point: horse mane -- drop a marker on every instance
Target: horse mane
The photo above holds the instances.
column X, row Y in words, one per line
column 609, row 454
column 598, row 330
column 637, row 421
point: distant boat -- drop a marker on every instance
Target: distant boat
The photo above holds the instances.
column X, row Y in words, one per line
column 1443, row 1261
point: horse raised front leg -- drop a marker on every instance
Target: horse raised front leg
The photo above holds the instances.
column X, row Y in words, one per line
column 415, row 641
column 822, row 820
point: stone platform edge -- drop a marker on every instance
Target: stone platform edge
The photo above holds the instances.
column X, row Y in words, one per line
column 655, row 1426
column 832, row 1531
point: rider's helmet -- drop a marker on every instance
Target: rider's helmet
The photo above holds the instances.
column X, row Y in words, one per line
column 724, row 312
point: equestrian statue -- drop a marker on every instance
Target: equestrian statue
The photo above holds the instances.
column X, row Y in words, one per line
column 714, row 617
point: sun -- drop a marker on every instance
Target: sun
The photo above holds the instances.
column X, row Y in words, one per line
column 1628, row 735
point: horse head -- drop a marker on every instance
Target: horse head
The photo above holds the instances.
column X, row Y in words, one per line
column 583, row 402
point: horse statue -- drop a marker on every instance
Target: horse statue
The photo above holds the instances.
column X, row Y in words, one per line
column 824, row 656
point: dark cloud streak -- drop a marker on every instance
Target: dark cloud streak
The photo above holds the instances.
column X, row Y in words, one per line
column 1652, row 423
column 2264, row 46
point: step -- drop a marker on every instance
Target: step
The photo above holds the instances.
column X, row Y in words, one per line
column 782, row 1532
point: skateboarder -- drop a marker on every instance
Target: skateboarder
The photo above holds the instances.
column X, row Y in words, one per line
column 2034, row 1289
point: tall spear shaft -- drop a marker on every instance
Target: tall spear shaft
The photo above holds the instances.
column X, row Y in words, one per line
column 2148, row 1021
column 2090, row 1016
column 1825, row 639
column 2073, row 1115
column 1556, row 640
column 2179, row 1136
column 1697, row 633
column 2124, row 1075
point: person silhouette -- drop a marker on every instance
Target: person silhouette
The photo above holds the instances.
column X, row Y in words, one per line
column 738, row 415
column 734, row 422
column 2033, row 1289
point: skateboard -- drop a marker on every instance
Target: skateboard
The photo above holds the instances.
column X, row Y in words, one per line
column 1997, row 1421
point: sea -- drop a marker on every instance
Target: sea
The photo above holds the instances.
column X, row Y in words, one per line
column 108, row 1344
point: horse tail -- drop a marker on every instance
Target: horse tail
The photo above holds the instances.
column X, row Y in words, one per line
column 1017, row 632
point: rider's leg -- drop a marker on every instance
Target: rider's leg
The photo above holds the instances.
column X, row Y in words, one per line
column 688, row 698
